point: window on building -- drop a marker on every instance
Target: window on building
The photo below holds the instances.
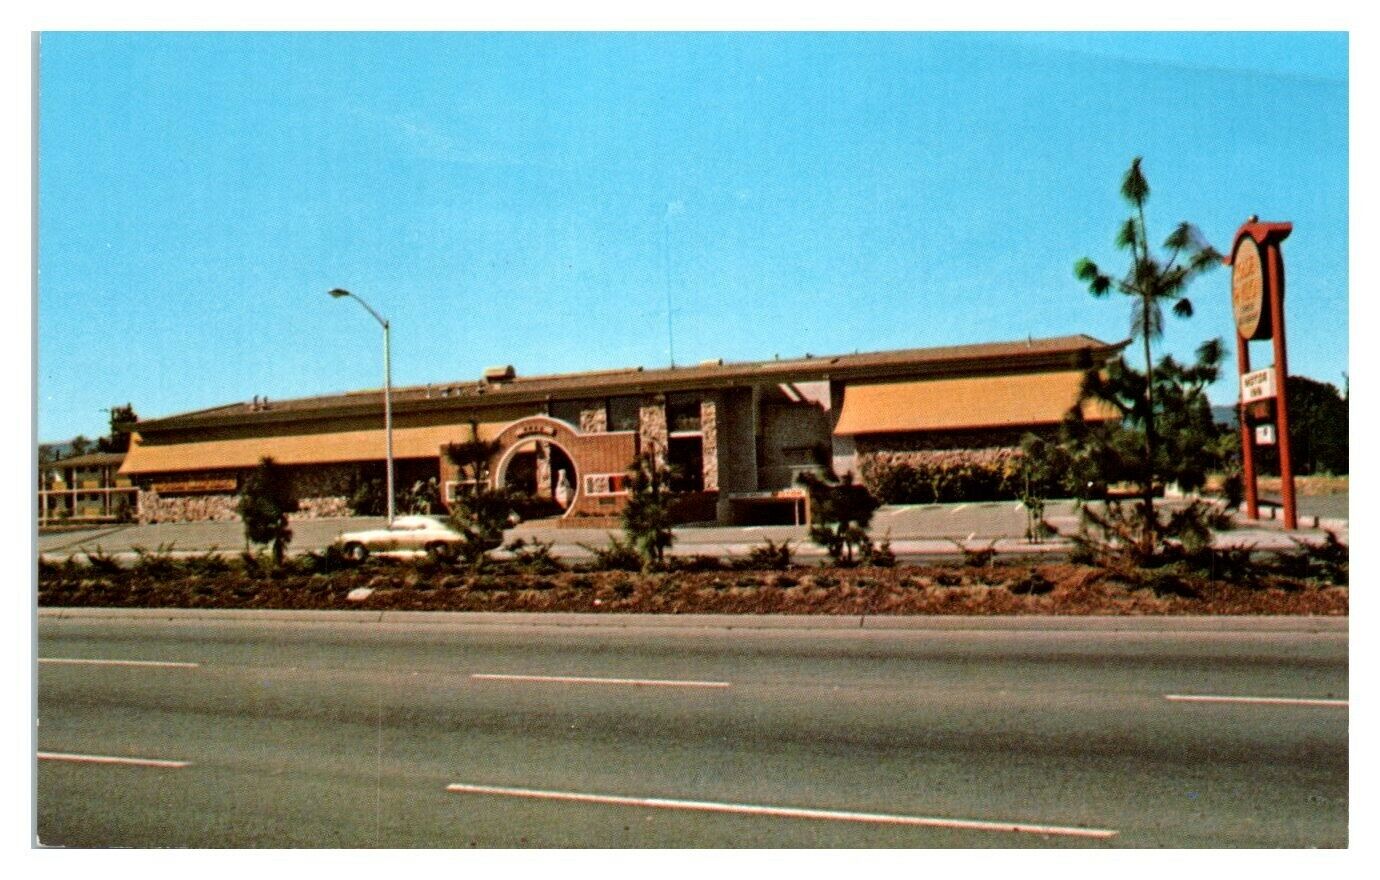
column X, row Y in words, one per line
column 683, row 412
column 686, row 458
column 623, row 413
column 569, row 410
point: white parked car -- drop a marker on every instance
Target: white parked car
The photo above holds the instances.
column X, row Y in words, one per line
column 411, row 534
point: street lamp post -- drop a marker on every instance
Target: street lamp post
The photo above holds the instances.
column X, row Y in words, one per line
column 387, row 388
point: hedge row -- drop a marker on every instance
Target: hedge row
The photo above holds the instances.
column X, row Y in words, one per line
column 941, row 476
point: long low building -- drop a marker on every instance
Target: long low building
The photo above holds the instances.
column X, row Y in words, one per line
column 736, row 434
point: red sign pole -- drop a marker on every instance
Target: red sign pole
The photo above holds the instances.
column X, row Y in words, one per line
column 1286, row 460
column 1258, row 308
column 1243, row 366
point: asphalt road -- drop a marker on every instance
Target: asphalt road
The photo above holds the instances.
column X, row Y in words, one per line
column 349, row 734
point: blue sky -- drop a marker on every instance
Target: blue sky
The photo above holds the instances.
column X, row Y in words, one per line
column 533, row 198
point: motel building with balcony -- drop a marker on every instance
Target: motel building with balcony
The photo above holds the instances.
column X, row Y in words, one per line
column 85, row 488
column 738, row 435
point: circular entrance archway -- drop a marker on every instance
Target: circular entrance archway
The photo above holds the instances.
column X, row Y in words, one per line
column 535, row 460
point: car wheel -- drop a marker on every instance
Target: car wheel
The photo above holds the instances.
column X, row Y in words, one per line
column 356, row 552
column 438, row 551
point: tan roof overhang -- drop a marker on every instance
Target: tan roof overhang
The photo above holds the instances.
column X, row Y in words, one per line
column 967, row 403
column 299, row 449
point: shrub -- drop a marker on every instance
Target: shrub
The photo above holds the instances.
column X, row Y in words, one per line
column 157, row 563
column 534, row 556
column 1328, row 562
column 839, row 514
column 330, row 560
column 1032, row 583
column 977, row 557
column 481, row 516
column 770, row 556
column 101, row 562
column 693, row 563
column 370, row 498
column 879, row 555
column 209, row 562
column 647, row 515
column 935, row 476
column 617, row 556
column 265, row 502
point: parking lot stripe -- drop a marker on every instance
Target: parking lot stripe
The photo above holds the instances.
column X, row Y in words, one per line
column 81, row 661
column 571, row 679
column 1268, row 701
column 111, row 759
column 782, row 812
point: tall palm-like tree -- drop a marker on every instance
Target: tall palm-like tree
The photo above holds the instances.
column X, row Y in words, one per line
column 1151, row 282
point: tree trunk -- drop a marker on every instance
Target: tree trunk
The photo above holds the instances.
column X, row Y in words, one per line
column 1150, row 524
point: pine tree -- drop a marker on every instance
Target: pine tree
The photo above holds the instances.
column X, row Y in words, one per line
column 265, row 502
column 1150, row 282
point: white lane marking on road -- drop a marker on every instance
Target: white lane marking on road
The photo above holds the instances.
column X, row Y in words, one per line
column 172, row 664
column 570, row 679
column 110, row 759
column 781, row 812
column 1268, row 701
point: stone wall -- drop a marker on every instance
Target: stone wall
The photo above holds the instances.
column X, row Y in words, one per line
column 321, row 491
column 652, row 433
column 594, row 420
column 222, row 508
column 186, row 508
column 709, row 425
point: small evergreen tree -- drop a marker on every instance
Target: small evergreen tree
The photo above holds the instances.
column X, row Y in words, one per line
column 840, row 511
column 1150, row 282
column 479, row 512
column 265, row 502
column 647, row 515
column 1040, row 473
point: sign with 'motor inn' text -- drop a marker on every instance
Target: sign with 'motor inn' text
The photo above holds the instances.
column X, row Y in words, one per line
column 1258, row 385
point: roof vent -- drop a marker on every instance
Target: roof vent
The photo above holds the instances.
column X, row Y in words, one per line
column 497, row 375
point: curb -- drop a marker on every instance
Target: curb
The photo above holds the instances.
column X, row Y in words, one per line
column 573, row 620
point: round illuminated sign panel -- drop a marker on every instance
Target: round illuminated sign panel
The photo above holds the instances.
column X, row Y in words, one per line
column 1248, row 291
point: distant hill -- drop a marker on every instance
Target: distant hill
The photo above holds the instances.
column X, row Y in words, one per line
column 1224, row 414
column 57, row 450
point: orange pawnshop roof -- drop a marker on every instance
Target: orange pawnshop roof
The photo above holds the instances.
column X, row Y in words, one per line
column 956, row 404
column 344, row 446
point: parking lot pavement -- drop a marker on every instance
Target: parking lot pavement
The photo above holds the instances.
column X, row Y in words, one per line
column 914, row 531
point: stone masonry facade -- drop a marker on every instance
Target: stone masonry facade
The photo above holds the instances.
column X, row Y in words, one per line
column 594, row 420
column 652, row 431
column 322, row 491
column 709, row 425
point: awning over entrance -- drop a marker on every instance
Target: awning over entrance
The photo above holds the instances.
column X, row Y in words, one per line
column 968, row 403
column 295, row 449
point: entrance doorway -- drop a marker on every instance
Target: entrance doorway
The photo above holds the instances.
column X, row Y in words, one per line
column 543, row 474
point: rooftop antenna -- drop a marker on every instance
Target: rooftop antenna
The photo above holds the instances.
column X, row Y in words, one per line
column 674, row 207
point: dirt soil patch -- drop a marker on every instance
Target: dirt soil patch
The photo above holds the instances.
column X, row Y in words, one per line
column 930, row 589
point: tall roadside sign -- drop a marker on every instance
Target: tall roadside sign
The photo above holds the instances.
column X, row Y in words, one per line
column 1257, row 304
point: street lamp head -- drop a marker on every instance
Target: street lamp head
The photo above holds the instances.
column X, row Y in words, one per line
column 338, row 293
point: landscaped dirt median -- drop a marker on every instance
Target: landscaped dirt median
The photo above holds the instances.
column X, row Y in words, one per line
column 939, row 589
